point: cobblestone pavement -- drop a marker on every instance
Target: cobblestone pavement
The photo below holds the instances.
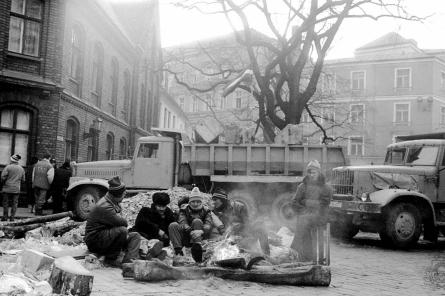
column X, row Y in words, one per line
column 359, row 267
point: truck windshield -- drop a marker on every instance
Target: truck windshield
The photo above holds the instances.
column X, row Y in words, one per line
column 422, row 155
column 395, row 156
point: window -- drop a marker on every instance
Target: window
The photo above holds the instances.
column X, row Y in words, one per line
column 110, row 146
column 114, row 84
column 174, row 122
column 122, row 148
column 165, row 117
column 402, row 77
column 238, row 103
column 93, row 148
column 148, row 150
column 442, row 115
column 97, row 73
column 169, row 119
column 329, row 84
column 182, row 103
column 14, row 134
column 76, row 53
column 357, row 114
column 328, row 114
column 142, row 106
column 126, row 94
column 195, row 105
column 223, row 103
column 442, row 80
column 71, row 139
column 422, row 155
column 395, row 156
column 24, row 26
column 358, row 80
column 305, row 117
column 356, row 146
column 401, row 113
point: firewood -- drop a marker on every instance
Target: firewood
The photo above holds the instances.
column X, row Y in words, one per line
column 69, row 277
column 39, row 219
column 153, row 271
column 18, row 231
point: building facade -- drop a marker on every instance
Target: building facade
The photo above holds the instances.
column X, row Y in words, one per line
column 389, row 88
column 78, row 79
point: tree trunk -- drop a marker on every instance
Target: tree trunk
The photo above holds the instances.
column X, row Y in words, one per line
column 152, row 271
column 18, row 231
column 69, row 277
column 39, row 219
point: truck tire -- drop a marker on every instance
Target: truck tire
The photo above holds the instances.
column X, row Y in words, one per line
column 86, row 197
column 283, row 212
column 343, row 228
column 402, row 226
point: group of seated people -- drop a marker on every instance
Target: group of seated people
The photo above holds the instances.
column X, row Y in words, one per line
column 107, row 233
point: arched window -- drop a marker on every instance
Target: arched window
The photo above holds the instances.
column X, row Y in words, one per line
column 114, row 84
column 110, row 146
column 24, row 26
column 71, row 139
column 123, row 148
column 77, row 39
column 127, row 81
column 97, row 73
column 15, row 134
column 142, row 106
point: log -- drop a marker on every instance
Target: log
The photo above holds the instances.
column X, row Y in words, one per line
column 69, row 277
column 18, row 231
column 39, row 219
column 152, row 271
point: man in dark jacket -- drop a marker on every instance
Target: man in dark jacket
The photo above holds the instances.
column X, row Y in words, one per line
column 42, row 177
column 11, row 177
column 106, row 230
column 60, row 184
column 152, row 223
column 311, row 203
column 235, row 218
column 194, row 223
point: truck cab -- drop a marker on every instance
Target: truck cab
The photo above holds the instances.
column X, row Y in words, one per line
column 399, row 199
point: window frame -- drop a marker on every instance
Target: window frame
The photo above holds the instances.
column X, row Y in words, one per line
column 350, row 138
column 123, row 148
column 97, row 73
column 352, row 80
column 442, row 115
column 114, row 85
column 109, row 148
column 74, row 143
column 396, row 78
column 395, row 113
column 362, row 117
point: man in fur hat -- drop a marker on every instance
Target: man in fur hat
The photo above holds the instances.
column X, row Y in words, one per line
column 106, row 230
column 194, row 224
column 152, row 222
column 311, row 203
column 12, row 175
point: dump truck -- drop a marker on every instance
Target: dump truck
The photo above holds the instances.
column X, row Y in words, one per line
column 262, row 176
column 400, row 199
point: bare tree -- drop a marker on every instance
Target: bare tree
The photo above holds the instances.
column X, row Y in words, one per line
column 303, row 32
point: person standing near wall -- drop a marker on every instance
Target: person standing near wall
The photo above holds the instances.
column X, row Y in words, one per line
column 60, row 183
column 11, row 177
column 29, row 190
column 42, row 177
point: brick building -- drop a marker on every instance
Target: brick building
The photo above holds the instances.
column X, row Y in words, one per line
column 78, row 79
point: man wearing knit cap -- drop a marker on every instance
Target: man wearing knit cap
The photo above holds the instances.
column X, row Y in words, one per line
column 106, row 230
column 12, row 175
column 234, row 216
column 152, row 222
column 311, row 203
column 194, row 224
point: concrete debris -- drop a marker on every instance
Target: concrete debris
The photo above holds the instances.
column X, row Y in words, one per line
column 19, row 284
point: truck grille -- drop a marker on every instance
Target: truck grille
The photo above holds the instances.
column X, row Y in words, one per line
column 343, row 182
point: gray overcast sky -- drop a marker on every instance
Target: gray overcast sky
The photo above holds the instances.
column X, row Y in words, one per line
column 181, row 26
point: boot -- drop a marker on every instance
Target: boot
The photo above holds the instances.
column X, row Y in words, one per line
column 197, row 252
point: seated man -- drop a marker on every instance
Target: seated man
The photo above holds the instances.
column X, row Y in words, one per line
column 153, row 222
column 194, row 223
column 106, row 230
column 235, row 218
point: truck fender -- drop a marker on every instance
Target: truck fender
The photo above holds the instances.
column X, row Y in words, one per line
column 88, row 181
column 387, row 196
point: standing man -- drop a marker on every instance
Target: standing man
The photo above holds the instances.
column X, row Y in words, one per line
column 234, row 216
column 60, row 184
column 11, row 177
column 42, row 177
column 106, row 230
column 311, row 203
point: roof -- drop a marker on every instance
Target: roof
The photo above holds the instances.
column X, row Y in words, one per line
column 389, row 39
column 426, row 142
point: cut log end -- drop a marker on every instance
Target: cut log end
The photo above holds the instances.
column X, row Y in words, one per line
column 70, row 277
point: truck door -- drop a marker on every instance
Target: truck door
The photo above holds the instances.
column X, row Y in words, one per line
column 153, row 166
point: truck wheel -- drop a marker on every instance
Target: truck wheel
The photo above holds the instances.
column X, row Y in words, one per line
column 402, row 226
column 85, row 200
column 283, row 212
column 344, row 229
column 246, row 199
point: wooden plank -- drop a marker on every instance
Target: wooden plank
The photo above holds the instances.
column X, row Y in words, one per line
column 267, row 159
column 248, row 160
column 256, row 179
column 193, row 161
column 286, row 160
column 212, row 160
column 230, row 160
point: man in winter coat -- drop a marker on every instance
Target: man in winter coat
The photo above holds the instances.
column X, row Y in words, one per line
column 11, row 177
column 60, row 183
column 152, row 223
column 106, row 230
column 42, row 177
column 194, row 224
column 311, row 203
column 235, row 217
